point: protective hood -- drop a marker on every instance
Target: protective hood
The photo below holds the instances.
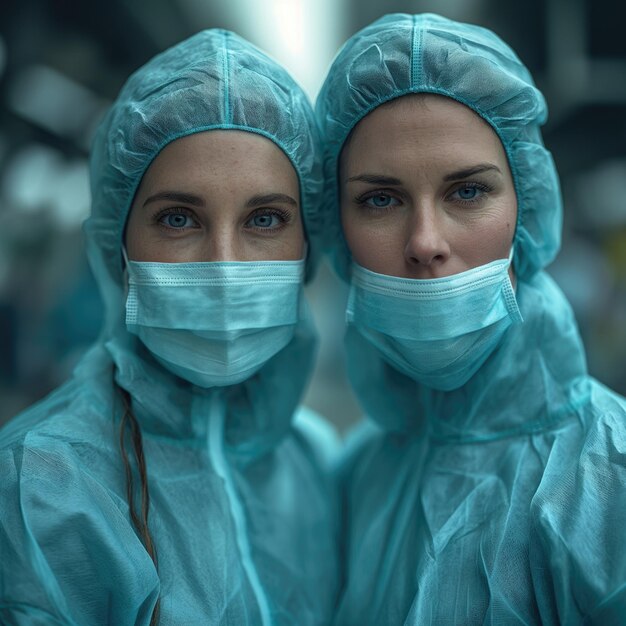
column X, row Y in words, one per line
column 402, row 54
column 213, row 80
column 495, row 502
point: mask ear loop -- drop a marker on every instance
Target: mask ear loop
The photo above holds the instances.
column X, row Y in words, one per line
column 511, row 270
column 125, row 270
column 511, row 294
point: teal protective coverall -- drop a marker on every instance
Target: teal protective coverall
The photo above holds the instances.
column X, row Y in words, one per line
column 502, row 501
column 241, row 506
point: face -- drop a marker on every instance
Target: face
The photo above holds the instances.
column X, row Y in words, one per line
column 426, row 190
column 220, row 195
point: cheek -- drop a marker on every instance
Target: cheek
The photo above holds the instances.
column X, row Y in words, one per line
column 295, row 246
column 295, row 242
column 349, row 228
column 376, row 245
column 483, row 244
column 488, row 237
column 133, row 239
column 358, row 237
column 509, row 222
column 289, row 245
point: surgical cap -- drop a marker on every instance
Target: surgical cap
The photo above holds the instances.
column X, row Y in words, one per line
column 213, row 80
column 403, row 54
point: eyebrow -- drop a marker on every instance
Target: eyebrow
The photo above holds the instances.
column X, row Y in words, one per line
column 270, row 198
column 176, row 196
column 471, row 171
column 188, row 198
column 375, row 179
column 379, row 179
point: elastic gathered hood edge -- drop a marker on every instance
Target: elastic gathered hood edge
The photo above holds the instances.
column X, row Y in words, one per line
column 382, row 63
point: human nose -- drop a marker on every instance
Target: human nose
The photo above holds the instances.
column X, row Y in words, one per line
column 222, row 245
column 427, row 246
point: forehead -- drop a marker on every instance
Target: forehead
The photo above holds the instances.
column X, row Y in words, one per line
column 426, row 126
column 221, row 155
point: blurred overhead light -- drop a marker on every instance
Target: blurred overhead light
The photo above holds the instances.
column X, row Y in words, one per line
column 302, row 35
column 585, row 276
column 39, row 179
column 600, row 194
column 53, row 101
column 287, row 17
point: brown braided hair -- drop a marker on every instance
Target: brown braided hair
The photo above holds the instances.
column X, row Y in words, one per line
column 140, row 521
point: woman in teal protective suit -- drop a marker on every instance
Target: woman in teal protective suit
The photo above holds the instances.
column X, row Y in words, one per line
column 490, row 484
column 173, row 480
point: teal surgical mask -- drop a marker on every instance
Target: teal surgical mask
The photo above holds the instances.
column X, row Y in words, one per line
column 214, row 324
column 439, row 331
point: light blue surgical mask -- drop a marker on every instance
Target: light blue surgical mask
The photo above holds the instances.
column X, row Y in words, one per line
column 438, row 331
column 214, row 324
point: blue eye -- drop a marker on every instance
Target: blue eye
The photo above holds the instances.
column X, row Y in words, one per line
column 467, row 193
column 177, row 221
column 381, row 201
column 470, row 192
column 266, row 221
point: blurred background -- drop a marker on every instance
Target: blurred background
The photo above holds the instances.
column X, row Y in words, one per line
column 63, row 61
